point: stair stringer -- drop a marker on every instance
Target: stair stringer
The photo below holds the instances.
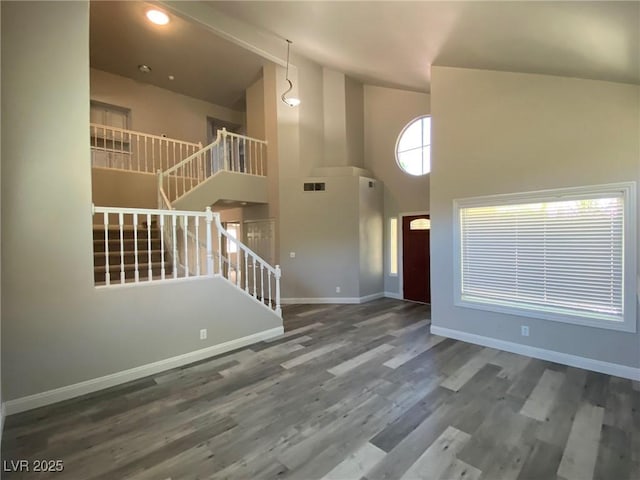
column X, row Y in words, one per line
column 224, row 185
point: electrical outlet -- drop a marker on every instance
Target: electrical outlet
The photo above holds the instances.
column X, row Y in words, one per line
column 203, row 334
column 337, row 289
column 524, row 330
column 292, row 254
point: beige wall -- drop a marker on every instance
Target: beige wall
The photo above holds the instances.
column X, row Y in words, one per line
column 159, row 111
column 335, row 120
column 114, row 188
column 70, row 331
column 354, row 115
column 255, row 110
column 322, row 228
column 500, row 132
column 370, row 218
column 386, row 112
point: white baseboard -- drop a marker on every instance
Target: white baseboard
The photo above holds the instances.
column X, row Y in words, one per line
column 82, row 388
column 333, row 300
column 395, row 295
column 609, row 368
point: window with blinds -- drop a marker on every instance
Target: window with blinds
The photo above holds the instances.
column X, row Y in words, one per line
column 558, row 255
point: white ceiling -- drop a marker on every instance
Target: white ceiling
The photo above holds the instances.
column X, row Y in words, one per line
column 205, row 66
column 395, row 43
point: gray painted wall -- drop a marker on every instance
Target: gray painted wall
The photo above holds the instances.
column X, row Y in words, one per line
column 370, row 218
column 500, row 132
column 386, row 112
column 57, row 328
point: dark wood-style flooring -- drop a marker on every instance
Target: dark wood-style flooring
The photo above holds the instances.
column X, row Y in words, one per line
column 349, row 392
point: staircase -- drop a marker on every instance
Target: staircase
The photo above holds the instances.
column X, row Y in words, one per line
column 179, row 240
column 231, row 169
column 134, row 253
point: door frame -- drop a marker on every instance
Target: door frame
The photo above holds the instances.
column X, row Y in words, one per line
column 400, row 248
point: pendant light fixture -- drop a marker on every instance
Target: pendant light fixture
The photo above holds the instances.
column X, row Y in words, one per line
column 291, row 101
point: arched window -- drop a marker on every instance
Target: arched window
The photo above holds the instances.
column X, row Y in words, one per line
column 413, row 148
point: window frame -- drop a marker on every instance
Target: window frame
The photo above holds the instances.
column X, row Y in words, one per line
column 629, row 265
column 395, row 150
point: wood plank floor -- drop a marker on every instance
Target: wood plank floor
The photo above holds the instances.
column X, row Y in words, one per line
column 349, row 392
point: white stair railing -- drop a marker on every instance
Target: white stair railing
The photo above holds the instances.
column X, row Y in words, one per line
column 121, row 149
column 135, row 246
column 229, row 152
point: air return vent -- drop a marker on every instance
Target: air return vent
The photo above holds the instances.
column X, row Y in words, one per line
column 314, row 187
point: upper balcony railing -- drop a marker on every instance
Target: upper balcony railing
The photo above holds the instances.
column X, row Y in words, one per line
column 120, row 149
column 229, row 152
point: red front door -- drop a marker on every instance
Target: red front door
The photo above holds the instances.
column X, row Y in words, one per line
column 415, row 258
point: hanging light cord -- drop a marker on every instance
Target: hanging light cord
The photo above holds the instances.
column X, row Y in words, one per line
column 288, row 47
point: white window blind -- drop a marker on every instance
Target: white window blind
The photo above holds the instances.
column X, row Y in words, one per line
column 563, row 255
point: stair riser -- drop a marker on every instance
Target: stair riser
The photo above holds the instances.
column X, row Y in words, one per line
column 128, row 245
column 130, row 274
column 98, row 234
column 129, row 258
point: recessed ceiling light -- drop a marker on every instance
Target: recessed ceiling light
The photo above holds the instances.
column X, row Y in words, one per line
column 171, row 77
column 144, row 68
column 158, row 17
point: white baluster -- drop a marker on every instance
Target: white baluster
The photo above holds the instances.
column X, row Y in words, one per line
column 107, row 275
column 121, row 224
column 146, row 158
column 185, row 227
column 209, row 220
column 197, row 245
column 278, row 275
column 269, row 283
column 262, row 281
column 174, row 241
column 162, row 272
column 136, row 274
column 255, row 285
column 149, row 257
column 221, row 272
column 238, row 267
column 246, row 271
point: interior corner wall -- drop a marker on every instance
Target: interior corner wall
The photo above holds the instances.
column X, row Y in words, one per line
column 335, row 121
column 371, row 228
column 159, row 111
column 71, row 331
column 386, row 112
column 354, row 125
column 255, row 110
column 500, row 132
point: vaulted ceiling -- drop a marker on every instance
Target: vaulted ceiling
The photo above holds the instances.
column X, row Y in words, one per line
column 390, row 43
column 396, row 42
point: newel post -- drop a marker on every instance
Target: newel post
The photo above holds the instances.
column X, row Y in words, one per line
column 209, row 220
column 225, row 149
column 278, row 275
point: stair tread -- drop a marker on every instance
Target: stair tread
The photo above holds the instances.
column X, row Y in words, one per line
column 141, row 251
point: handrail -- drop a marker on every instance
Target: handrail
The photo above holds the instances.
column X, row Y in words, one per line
column 230, row 152
column 149, row 135
column 184, row 162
